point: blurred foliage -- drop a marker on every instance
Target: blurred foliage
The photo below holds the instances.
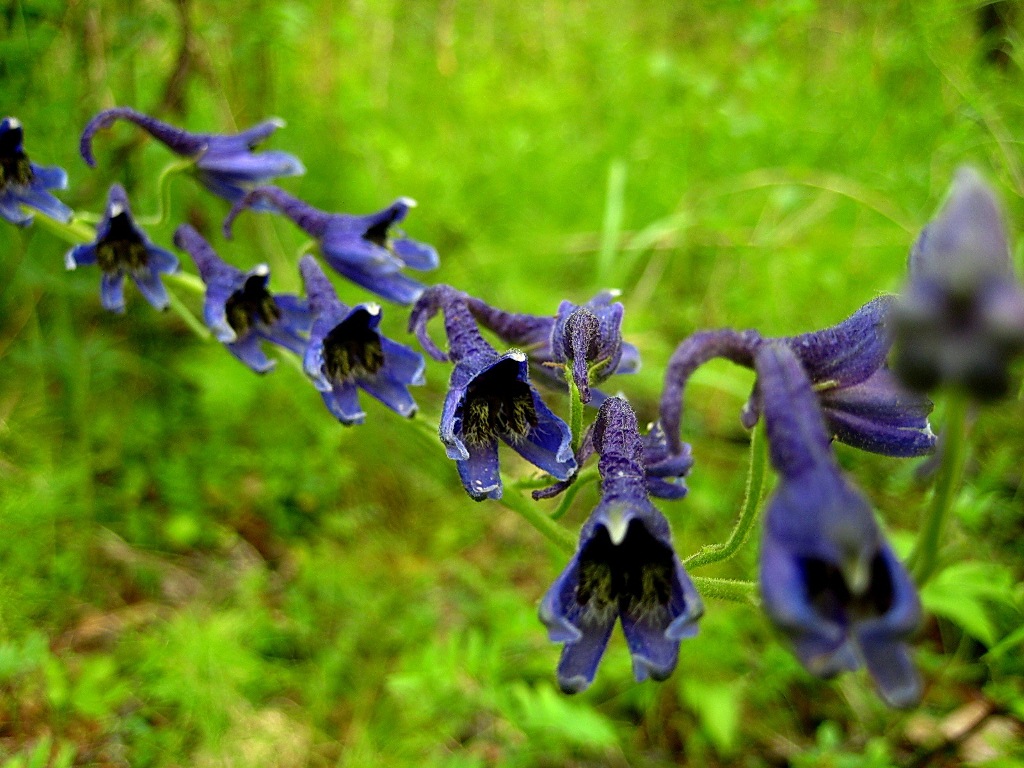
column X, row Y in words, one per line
column 199, row 567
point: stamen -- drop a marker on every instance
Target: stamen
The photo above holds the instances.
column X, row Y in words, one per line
column 352, row 348
column 122, row 250
column 498, row 405
column 635, row 576
column 15, row 167
column 252, row 303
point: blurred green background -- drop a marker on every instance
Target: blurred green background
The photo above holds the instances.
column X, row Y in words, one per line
column 198, row 566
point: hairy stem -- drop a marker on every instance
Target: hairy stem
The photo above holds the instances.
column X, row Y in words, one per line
column 716, row 553
column 529, row 511
column 731, row 590
column 924, row 558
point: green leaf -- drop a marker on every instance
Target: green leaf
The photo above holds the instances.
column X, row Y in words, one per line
column 717, row 706
column 965, row 592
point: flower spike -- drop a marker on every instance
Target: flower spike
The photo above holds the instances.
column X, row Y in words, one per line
column 23, row 183
column 121, row 249
column 361, row 248
column 227, row 165
column 624, row 568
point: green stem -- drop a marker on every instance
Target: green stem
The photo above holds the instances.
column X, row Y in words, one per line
column 924, row 558
column 570, row 494
column 716, row 553
column 74, row 232
column 163, row 184
column 188, row 281
column 727, row 589
column 178, row 306
column 575, row 410
column 529, row 511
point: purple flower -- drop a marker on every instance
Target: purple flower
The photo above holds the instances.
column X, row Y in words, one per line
column 829, row 580
column 863, row 404
column 587, row 335
column 23, row 183
column 489, row 399
column 120, row 249
column 225, row 165
column 346, row 353
column 624, row 568
column 240, row 310
column 960, row 319
column 363, row 249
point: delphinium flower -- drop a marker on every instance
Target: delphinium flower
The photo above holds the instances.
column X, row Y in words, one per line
column 23, row 183
column 624, row 568
column 960, row 318
column 227, row 165
column 489, row 398
column 363, row 249
column 347, row 353
column 595, row 347
column 240, row 310
column 828, row 578
column 863, row 403
column 120, row 249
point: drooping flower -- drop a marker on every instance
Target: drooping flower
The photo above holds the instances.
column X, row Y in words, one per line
column 863, row 404
column 346, row 353
column 624, row 568
column 227, row 165
column 361, row 248
column 23, row 183
column 960, row 318
column 240, row 310
column 828, row 578
column 489, row 398
column 587, row 335
column 121, row 249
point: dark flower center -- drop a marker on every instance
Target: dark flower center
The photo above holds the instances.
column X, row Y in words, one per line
column 250, row 304
column 635, row 575
column 831, row 597
column 498, row 404
column 378, row 233
column 352, row 348
column 122, row 250
column 15, row 167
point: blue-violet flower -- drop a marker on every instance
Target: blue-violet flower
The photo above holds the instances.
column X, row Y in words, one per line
column 360, row 248
column 589, row 336
column 960, row 319
column 346, row 353
column 625, row 567
column 828, row 578
column 120, row 249
column 240, row 310
column 227, row 165
column 23, row 183
column 489, row 398
column 863, row 404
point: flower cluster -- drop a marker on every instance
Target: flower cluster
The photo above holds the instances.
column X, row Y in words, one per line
column 829, row 580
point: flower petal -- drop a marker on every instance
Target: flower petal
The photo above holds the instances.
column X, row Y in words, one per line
column 151, row 288
column 343, row 402
column 548, row 445
column 416, row 255
column 480, row 472
column 112, row 291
